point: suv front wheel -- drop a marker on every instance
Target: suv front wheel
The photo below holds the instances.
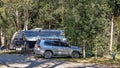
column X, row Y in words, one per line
column 75, row 54
column 48, row 54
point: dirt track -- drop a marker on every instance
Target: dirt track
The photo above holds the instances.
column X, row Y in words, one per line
column 22, row 61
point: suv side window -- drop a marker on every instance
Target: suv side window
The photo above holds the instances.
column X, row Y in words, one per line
column 56, row 43
column 47, row 42
column 52, row 43
column 64, row 44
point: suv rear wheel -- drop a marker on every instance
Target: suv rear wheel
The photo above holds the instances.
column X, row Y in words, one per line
column 48, row 54
column 75, row 54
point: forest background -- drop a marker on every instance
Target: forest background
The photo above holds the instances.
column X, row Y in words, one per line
column 93, row 25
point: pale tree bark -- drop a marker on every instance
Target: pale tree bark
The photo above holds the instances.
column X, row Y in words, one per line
column 26, row 15
column 2, row 38
column 111, row 34
column 17, row 20
column 26, row 19
column 96, row 52
column 84, row 49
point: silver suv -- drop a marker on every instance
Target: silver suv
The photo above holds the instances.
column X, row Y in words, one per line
column 49, row 48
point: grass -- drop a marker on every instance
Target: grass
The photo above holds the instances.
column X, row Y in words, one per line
column 99, row 60
column 8, row 52
column 118, row 56
column 106, row 60
column 11, row 52
column 16, row 52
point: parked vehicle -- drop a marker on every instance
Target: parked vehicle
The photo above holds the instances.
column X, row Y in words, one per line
column 31, row 36
column 17, row 40
column 50, row 48
column 3, row 48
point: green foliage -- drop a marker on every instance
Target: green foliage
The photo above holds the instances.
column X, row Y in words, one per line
column 84, row 21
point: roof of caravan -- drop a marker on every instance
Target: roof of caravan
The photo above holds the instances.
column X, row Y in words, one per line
column 41, row 34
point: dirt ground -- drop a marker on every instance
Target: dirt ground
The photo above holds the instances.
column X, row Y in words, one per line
column 28, row 61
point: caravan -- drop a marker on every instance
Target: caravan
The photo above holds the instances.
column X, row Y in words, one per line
column 31, row 36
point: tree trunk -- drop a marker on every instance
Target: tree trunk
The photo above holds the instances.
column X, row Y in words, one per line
column 2, row 38
column 49, row 25
column 84, row 50
column 96, row 52
column 17, row 20
column 111, row 35
column 26, row 22
column 26, row 16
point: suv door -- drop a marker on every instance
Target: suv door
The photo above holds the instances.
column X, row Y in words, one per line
column 52, row 45
column 64, row 48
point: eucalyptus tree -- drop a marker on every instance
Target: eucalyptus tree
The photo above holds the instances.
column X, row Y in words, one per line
column 85, row 20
